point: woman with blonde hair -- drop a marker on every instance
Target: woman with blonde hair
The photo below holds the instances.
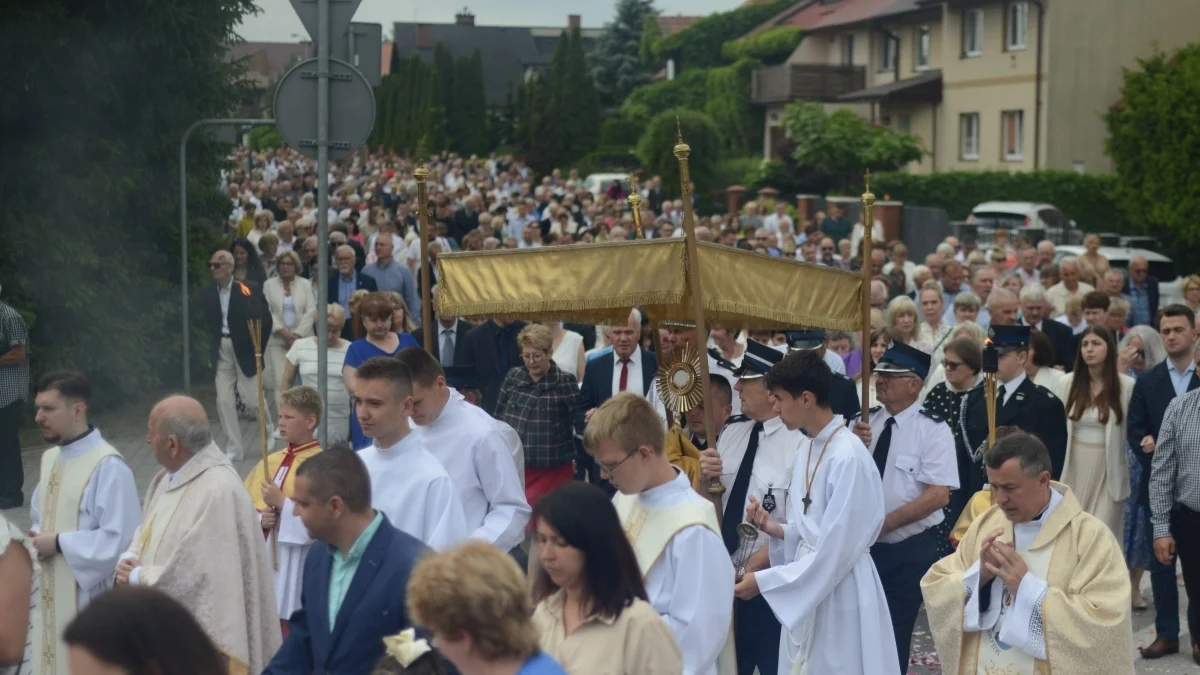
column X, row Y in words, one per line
column 402, row 320
column 302, row 359
column 476, row 603
column 1191, row 293
column 933, row 331
column 1072, row 316
column 292, row 310
column 538, row 400
column 901, row 318
column 1013, row 284
column 264, row 222
column 1096, row 397
column 1092, row 257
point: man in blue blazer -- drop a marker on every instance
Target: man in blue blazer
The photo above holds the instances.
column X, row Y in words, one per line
column 347, row 280
column 1154, row 390
column 355, row 576
column 627, row 362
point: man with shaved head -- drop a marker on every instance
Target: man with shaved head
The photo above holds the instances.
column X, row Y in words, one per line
column 200, row 540
column 228, row 307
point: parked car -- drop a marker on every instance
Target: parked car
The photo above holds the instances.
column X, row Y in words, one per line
column 1016, row 215
column 1170, row 284
column 597, row 183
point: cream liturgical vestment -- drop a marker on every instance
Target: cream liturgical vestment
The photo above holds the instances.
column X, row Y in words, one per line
column 87, row 496
column 689, row 577
column 822, row 584
column 1069, row 615
column 201, row 543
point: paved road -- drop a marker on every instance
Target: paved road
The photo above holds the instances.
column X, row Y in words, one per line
column 127, row 434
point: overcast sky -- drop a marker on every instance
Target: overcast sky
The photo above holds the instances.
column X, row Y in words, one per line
column 277, row 22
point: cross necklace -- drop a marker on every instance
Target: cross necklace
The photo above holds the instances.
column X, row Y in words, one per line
column 808, row 479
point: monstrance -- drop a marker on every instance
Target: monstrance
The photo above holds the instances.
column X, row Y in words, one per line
column 679, row 382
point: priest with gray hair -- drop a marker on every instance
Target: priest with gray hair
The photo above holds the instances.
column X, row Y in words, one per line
column 200, row 540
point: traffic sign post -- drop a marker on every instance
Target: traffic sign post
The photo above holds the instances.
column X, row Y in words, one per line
column 364, row 51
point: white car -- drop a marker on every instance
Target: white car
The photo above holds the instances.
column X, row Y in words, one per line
column 1016, row 215
column 597, row 183
column 1170, row 284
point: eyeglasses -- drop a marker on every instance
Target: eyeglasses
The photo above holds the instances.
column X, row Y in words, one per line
column 216, row 265
column 611, row 468
column 951, row 365
column 533, row 357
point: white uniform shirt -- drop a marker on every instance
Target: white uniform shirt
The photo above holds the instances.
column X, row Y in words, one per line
column 921, row 453
column 466, row 440
column 109, row 514
column 691, row 583
column 772, row 470
column 410, row 487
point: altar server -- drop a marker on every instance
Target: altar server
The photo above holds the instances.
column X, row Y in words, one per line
column 300, row 412
column 84, row 511
column 822, row 584
column 200, row 540
column 843, row 392
column 674, row 531
column 409, row 485
column 1036, row 585
column 464, row 439
column 754, row 457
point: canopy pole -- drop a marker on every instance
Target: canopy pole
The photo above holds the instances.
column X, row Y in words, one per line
column 635, row 205
column 682, row 151
column 422, row 176
column 868, row 205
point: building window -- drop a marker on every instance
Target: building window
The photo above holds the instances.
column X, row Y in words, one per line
column 1013, row 134
column 969, row 130
column 888, row 51
column 922, row 44
column 1017, row 29
column 848, row 50
column 972, row 32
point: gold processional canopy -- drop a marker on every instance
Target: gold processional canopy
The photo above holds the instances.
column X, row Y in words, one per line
column 599, row 283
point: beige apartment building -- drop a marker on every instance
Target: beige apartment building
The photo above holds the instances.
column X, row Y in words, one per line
column 963, row 74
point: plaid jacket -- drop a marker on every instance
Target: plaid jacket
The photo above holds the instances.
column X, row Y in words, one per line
column 541, row 413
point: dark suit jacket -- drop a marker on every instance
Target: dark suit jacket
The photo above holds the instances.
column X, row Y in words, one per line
column 242, row 308
column 1151, row 293
column 845, row 397
column 1033, row 409
column 1151, row 394
column 1062, row 340
column 361, row 282
column 372, row 609
column 461, row 327
column 597, row 382
column 484, row 344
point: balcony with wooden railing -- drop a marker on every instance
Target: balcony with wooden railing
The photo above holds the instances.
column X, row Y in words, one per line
column 805, row 81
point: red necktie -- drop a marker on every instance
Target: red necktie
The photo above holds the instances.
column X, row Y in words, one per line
column 624, row 374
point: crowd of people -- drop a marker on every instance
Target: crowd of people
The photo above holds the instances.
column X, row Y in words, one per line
column 517, row 499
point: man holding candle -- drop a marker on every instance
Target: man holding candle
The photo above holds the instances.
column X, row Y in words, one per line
column 229, row 306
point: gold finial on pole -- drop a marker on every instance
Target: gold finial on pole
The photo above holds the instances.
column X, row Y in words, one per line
column 868, row 205
column 635, row 204
column 681, row 152
column 422, row 176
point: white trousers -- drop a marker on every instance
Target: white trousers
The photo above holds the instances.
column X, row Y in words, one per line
column 229, row 378
column 274, row 360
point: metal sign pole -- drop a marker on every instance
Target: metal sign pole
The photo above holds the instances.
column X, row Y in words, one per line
column 323, row 210
column 183, row 240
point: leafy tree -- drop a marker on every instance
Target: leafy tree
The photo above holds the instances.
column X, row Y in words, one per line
column 651, row 32
column 727, row 102
column 657, row 145
column 616, row 64
column 700, row 44
column 578, row 103
column 685, row 91
column 89, row 179
column 841, row 145
column 468, row 111
column 1153, row 142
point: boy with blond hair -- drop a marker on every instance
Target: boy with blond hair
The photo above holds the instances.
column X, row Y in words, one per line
column 300, row 410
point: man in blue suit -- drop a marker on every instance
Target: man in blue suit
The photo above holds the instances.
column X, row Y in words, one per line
column 1152, row 394
column 354, row 585
column 348, row 280
column 627, row 367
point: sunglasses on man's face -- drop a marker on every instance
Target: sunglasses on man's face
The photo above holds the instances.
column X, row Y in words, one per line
column 216, row 265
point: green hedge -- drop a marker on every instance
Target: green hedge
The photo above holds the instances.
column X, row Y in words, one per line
column 656, row 146
column 608, row 159
column 699, row 45
column 727, row 94
column 1088, row 199
column 772, row 46
column 620, row 131
column 685, row 91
